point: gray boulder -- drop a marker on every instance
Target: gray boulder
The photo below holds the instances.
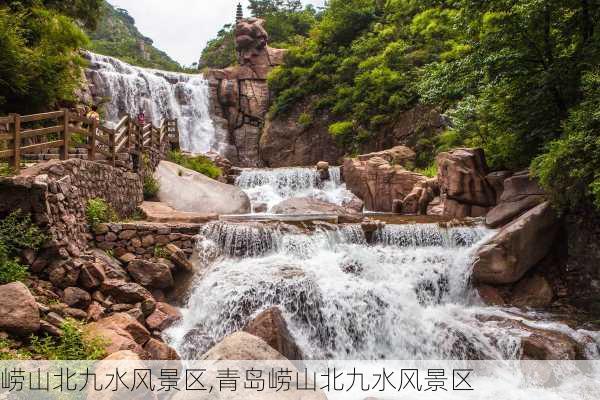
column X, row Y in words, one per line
column 306, row 206
column 190, row 191
column 19, row 312
column 518, row 247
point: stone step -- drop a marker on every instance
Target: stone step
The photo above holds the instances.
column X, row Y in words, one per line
column 162, row 212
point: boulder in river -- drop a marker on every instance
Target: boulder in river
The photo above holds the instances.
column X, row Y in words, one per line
column 242, row 346
column 465, row 190
column 19, row 312
column 187, row 190
column 518, row 247
column 270, row 326
column 306, row 205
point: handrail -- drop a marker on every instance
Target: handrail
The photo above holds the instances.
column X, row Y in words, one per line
column 54, row 129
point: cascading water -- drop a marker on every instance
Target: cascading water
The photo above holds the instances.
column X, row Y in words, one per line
column 403, row 295
column 160, row 94
column 272, row 186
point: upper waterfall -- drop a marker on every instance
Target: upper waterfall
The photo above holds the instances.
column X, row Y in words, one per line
column 161, row 94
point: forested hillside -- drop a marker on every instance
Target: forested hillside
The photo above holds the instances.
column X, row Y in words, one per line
column 287, row 22
column 518, row 78
column 116, row 35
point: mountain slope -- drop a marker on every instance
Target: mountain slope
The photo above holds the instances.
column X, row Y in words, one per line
column 116, row 35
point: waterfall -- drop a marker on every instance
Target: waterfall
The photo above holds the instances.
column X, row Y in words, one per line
column 272, row 186
column 160, row 94
column 403, row 294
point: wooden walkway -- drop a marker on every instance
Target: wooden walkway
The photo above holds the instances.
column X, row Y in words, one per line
column 38, row 133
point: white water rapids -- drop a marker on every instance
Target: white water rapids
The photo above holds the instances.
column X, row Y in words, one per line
column 128, row 89
column 272, row 186
column 405, row 295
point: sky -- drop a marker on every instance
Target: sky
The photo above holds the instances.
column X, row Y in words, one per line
column 183, row 27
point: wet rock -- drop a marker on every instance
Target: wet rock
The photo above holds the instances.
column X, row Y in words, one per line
column 125, row 292
column 423, row 193
column 163, row 317
column 261, row 207
column 534, row 292
column 305, row 205
column 195, row 343
column 179, row 257
column 490, row 295
column 76, row 297
column 160, row 351
column 19, row 312
column 190, row 191
column 271, row 327
column 465, row 190
column 242, row 346
column 151, row 274
column 519, row 246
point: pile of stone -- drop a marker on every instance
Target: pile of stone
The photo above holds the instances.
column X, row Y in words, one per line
column 122, row 300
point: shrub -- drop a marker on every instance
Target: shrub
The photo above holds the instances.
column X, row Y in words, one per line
column 5, row 170
column 151, row 187
column 74, row 344
column 18, row 232
column 305, row 120
column 341, row 129
column 199, row 164
column 98, row 211
column 160, row 252
column 430, row 171
column 10, row 269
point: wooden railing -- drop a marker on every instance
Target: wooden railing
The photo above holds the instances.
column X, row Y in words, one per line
column 31, row 134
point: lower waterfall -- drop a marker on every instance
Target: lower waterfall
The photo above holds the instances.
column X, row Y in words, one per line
column 403, row 293
column 272, row 186
column 161, row 94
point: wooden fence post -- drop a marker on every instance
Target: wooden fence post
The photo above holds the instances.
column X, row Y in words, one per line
column 67, row 136
column 113, row 147
column 92, row 142
column 16, row 159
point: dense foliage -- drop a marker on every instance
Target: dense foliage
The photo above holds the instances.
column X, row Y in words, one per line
column 17, row 233
column 116, row 35
column 39, row 66
column 73, row 344
column 515, row 77
column 199, row 164
column 286, row 21
column 98, row 211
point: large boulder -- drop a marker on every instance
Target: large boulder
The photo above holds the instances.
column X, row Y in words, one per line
column 380, row 183
column 271, row 327
column 19, row 312
column 242, row 346
column 520, row 194
column 306, row 205
column 518, row 247
column 418, row 200
column 399, row 155
column 164, row 316
column 126, row 292
column 190, row 191
column 151, row 274
column 120, row 332
column 465, row 190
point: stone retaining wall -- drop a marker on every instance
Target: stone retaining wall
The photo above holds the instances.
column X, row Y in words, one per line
column 56, row 194
column 143, row 239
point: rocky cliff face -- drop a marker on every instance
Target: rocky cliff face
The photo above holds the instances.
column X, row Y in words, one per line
column 240, row 101
column 240, row 94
